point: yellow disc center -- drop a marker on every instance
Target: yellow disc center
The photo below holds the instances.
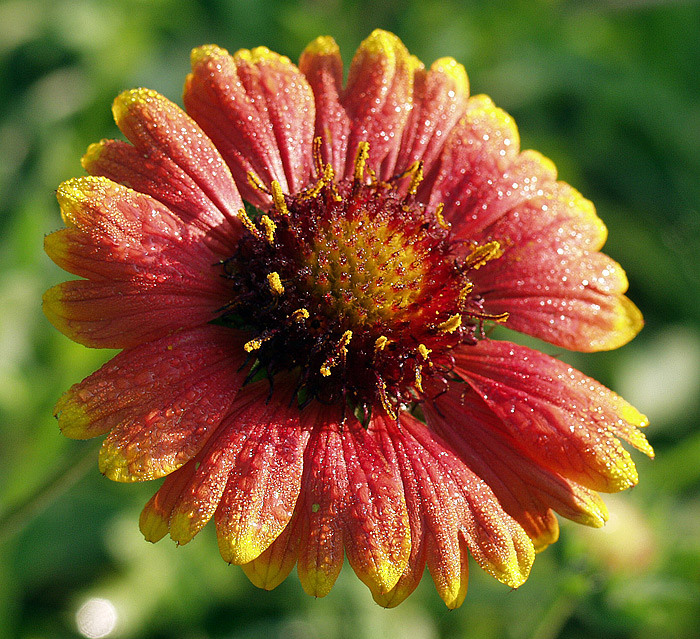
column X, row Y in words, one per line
column 363, row 270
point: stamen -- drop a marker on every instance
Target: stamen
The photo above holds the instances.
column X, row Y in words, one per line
column 278, row 198
column 257, row 183
column 334, row 192
column 360, row 161
column 326, row 178
column 439, row 217
column 299, row 315
column 464, row 293
column 451, row 324
column 248, row 223
column 482, row 254
column 416, row 170
column 269, row 227
column 344, row 341
column 341, row 353
column 326, row 368
column 255, row 344
column 423, row 351
column 501, row 318
column 383, row 397
column 375, row 182
column 273, row 279
column 419, row 378
column 316, row 153
column 380, row 343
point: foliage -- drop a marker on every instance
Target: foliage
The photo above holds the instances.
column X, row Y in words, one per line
column 606, row 88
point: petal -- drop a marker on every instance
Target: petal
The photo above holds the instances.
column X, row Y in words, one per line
column 527, row 490
column 123, row 314
column 551, row 280
column 190, row 496
column 415, row 567
column 113, row 228
column 478, row 167
column 575, row 302
column 323, row 500
column 157, row 175
column 173, row 153
column 258, row 109
column 439, row 101
column 350, row 496
column 451, row 581
column 269, row 569
column 377, row 539
column 155, row 517
column 457, row 511
column 160, row 401
column 322, row 65
column 141, row 262
column 378, row 99
column 554, row 289
column 265, row 479
column 216, row 462
column 553, row 212
column 566, row 421
column 133, row 382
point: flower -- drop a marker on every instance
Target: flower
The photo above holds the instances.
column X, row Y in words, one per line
column 303, row 278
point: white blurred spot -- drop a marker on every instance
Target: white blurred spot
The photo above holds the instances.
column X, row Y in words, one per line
column 662, row 377
column 96, row 618
column 626, row 545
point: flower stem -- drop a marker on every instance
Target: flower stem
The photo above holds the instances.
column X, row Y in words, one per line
column 72, row 470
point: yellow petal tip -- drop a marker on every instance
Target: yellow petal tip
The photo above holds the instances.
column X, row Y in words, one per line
column 323, row 45
column 455, row 71
column 152, row 525
column 381, row 42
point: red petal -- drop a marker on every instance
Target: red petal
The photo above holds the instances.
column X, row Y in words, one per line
column 548, row 279
column 378, row 99
column 123, row 314
column 157, row 175
column 350, row 495
column 190, row 504
column 199, row 499
column 439, row 100
column 322, row 501
column 142, row 259
column 554, row 215
column 161, row 401
column 264, row 482
column 545, row 279
column 563, row 419
column 322, row 65
column 575, row 302
column 526, row 489
column 478, row 167
column 259, row 110
column 377, row 538
column 155, row 517
column 413, row 573
column 172, row 144
column 117, row 233
column 455, row 507
column 273, row 566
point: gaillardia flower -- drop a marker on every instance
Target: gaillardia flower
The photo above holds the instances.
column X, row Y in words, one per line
column 303, row 277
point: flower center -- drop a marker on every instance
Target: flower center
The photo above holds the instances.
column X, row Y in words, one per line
column 367, row 271
column 356, row 286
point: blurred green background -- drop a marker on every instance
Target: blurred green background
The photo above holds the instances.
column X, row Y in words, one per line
column 608, row 89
